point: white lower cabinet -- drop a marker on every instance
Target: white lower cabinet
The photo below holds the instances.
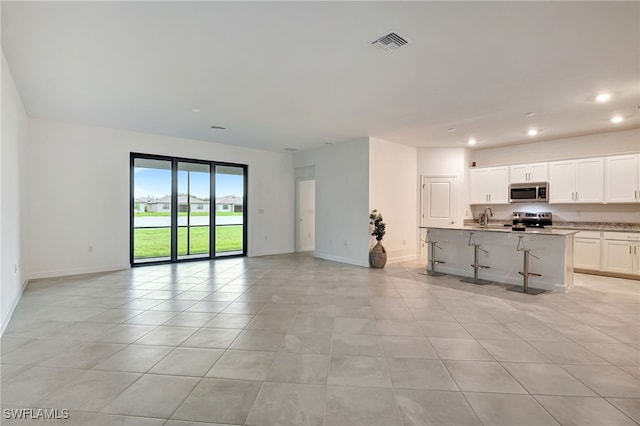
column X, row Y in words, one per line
column 621, row 252
column 586, row 250
column 615, row 252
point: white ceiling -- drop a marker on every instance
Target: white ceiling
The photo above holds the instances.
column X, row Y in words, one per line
column 300, row 74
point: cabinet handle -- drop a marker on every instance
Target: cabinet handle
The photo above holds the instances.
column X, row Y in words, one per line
column 577, row 196
column 629, row 249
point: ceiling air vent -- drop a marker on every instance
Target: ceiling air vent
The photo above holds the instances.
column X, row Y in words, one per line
column 391, row 41
column 218, row 128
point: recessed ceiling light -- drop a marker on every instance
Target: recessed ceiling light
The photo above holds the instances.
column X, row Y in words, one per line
column 451, row 129
column 472, row 141
column 617, row 119
column 195, row 110
column 603, row 97
column 532, row 132
column 530, row 114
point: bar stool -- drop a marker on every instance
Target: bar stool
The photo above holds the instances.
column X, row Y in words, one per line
column 431, row 261
column 476, row 263
column 525, row 270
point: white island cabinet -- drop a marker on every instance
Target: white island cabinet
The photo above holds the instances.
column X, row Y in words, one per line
column 554, row 249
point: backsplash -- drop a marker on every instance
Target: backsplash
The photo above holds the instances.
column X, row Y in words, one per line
column 619, row 213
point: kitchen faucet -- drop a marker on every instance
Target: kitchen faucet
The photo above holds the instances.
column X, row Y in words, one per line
column 484, row 217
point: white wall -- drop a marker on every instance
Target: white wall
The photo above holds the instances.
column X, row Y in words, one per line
column 14, row 124
column 393, row 182
column 342, row 199
column 72, row 166
column 609, row 143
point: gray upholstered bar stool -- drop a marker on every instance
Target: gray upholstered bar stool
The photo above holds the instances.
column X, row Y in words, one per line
column 526, row 254
column 431, row 260
column 476, row 262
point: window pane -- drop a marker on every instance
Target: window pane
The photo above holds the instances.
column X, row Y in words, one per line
column 152, row 210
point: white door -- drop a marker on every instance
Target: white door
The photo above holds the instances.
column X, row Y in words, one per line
column 306, row 214
column 438, row 207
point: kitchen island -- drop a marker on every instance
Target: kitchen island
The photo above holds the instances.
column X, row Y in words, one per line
column 552, row 247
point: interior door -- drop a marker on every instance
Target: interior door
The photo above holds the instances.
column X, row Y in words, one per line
column 306, row 214
column 438, row 206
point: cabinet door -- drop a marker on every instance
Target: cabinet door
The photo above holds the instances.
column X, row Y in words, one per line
column 498, row 185
column 478, row 186
column 519, row 173
column 590, row 180
column 539, row 172
column 622, row 179
column 586, row 253
column 617, row 256
column 562, row 181
column 636, row 259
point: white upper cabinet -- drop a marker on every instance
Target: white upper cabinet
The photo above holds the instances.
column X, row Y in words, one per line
column 489, row 185
column 576, row 181
column 622, row 179
column 534, row 172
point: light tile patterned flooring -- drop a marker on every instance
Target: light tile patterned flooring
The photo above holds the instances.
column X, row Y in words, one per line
column 293, row 340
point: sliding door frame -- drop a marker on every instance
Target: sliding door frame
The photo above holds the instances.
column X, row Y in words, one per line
column 174, row 208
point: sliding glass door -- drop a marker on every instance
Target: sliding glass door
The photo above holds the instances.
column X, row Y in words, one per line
column 152, row 209
column 183, row 209
column 230, row 190
column 194, row 206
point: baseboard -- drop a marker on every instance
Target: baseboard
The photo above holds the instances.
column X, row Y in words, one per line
column 253, row 253
column 340, row 259
column 7, row 319
column 399, row 259
column 606, row 274
column 77, row 271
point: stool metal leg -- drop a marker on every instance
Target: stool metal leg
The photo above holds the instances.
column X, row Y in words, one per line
column 476, row 263
column 431, row 265
column 525, row 273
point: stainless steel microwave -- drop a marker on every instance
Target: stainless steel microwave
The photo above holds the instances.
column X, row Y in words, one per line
column 529, row 192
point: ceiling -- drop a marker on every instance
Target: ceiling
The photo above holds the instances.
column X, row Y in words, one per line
column 300, row 74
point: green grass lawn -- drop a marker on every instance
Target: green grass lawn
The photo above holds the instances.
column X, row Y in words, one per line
column 147, row 214
column 156, row 242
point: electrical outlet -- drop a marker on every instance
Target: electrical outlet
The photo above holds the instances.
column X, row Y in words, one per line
column 345, row 243
column 404, row 242
column 15, row 268
column 265, row 237
column 90, row 249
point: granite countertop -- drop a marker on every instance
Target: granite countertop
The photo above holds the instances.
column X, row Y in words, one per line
column 598, row 226
column 574, row 226
column 499, row 227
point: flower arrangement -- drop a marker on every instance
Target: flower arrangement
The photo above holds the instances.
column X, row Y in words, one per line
column 379, row 227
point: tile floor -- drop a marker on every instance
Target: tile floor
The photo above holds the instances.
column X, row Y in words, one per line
column 292, row 340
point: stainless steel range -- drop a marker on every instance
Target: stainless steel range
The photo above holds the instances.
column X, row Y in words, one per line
column 532, row 220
